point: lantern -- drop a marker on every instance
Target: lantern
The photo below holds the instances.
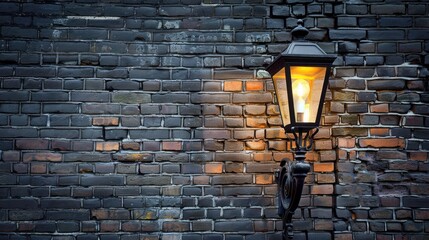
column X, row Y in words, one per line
column 300, row 75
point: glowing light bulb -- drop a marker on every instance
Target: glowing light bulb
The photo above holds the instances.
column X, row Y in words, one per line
column 301, row 90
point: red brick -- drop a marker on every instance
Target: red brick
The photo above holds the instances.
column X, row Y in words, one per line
column 331, row 119
column 151, row 146
column 264, row 179
column 275, row 133
column 32, row 144
column 382, row 142
column 379, row 108
column 380, row 132
column 107, row 146
column 280, row 156
column 172, row 146
column 105, row 121
column 213, row 168
column 323, row 144
column 322, row 189
column 254, row 86
column 133, row 157
column 255, row 110
column 323, row 167
column 233, row 86
column 346, row 142
column 255, row 145
column 277, row 145
column 262, row 157
column 256, row 122
column 273, row 110
column 352, row 155
column 263, row 225
column 48, row 156
column 342, row 154
column 312, row 156
column 131, row 146
column 419, row 156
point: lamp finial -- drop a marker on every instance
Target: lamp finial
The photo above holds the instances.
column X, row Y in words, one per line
column 299, row 32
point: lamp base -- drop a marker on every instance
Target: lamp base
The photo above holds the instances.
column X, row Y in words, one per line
column 290, row 181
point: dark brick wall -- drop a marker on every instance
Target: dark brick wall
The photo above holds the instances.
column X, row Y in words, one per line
column 143, row 119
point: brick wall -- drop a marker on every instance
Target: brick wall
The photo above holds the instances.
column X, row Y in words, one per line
column 146, row 120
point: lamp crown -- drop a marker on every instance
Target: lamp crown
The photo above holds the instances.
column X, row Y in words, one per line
column 299, row 32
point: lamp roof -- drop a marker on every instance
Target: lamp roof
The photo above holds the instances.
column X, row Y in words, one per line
column 301, row 51
column 303, row 48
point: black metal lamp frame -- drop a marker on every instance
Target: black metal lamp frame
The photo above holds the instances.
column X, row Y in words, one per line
column 291, row 176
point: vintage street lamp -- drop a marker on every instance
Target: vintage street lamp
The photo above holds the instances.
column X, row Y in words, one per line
column 300, row 75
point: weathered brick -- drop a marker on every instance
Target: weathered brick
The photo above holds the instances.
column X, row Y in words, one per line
column 51, row 157
column 382, row 142
column 236, row 226
column 122, row 96
column 322, row 189
column 264, row 179
column 34, row 144
column 235, row 157
column 235, row 180
column 214, row 168
column 347, row 34
column 323, row 167
column 386, row 84
column 105, row 214
column 379, row 108
column 106, row 146
column 349, row 131
column 102, row 180
column 252, row 98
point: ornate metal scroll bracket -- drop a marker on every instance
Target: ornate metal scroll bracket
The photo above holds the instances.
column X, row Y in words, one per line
column 291, row 176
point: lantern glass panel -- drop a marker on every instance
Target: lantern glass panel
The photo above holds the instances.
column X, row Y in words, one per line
column 307, row 87
column 279, row 80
